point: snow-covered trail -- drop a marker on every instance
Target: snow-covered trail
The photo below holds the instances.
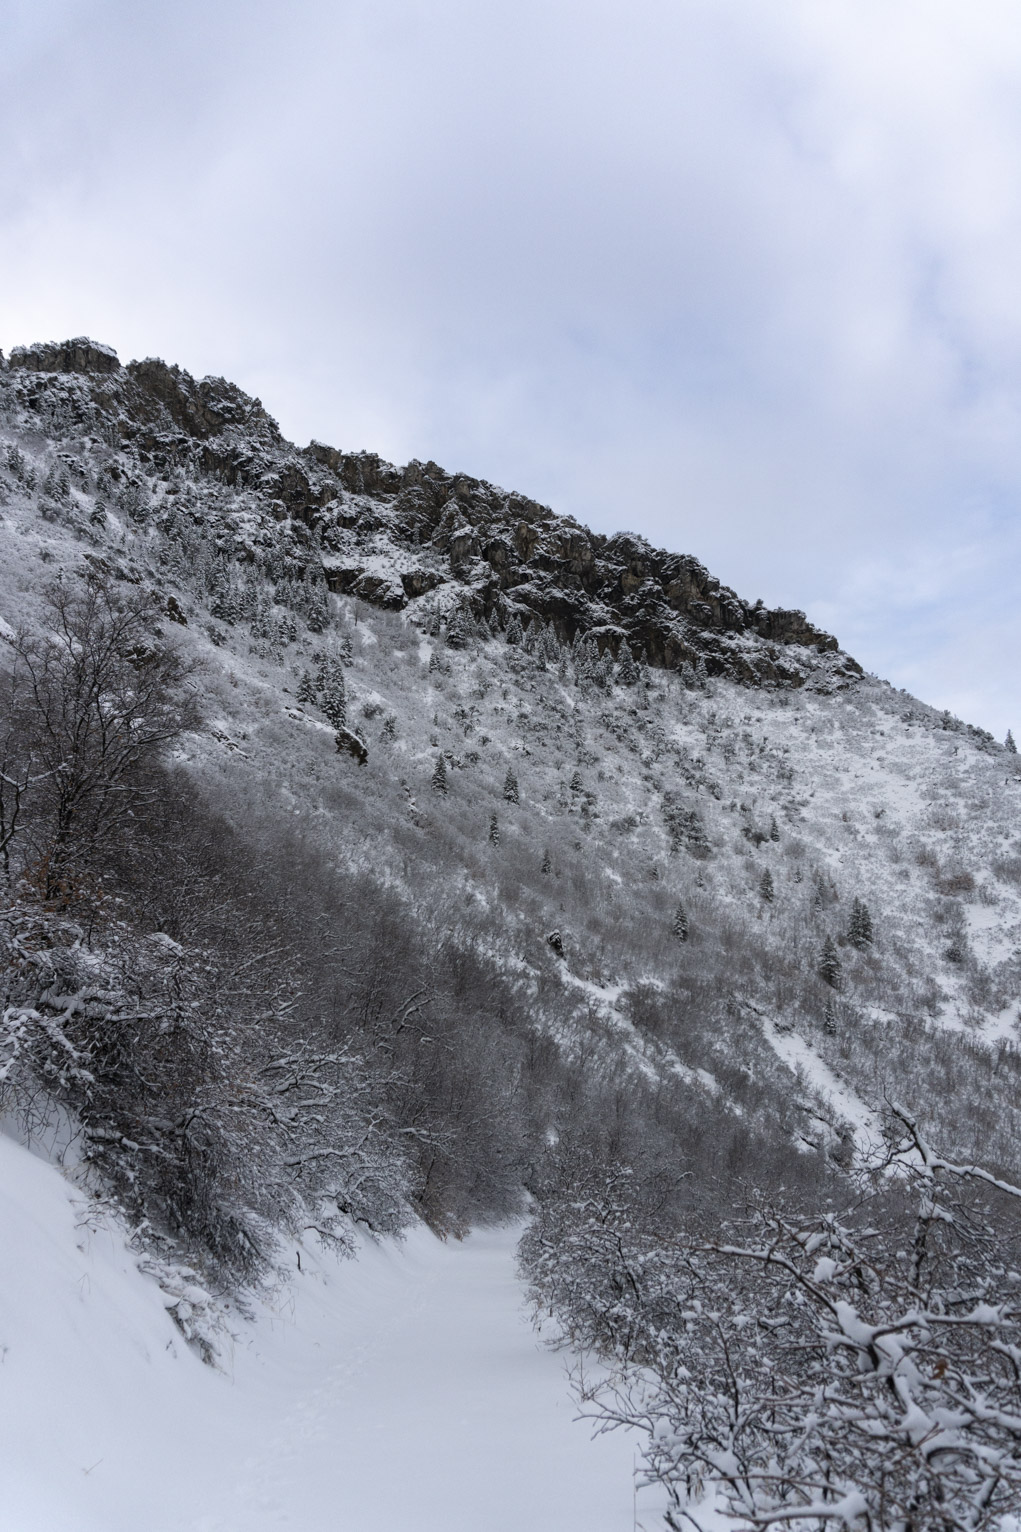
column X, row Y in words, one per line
column 412, row 1393
column 402, row 1392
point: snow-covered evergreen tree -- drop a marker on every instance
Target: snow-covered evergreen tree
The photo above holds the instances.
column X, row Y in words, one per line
column 627, row 670
column 859, row 932
column 458, row 632
column 333, row 693
column 830, row 967
column 315, row 605
column 550, row 648
column 602, row 672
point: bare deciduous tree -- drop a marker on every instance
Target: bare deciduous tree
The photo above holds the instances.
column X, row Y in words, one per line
column 90, row 700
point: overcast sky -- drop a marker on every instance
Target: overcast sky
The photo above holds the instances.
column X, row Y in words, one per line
column 743, row 277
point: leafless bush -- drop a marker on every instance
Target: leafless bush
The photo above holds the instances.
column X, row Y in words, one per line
column 837, row 1368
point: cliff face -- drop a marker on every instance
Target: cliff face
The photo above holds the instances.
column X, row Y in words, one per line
column 394, row 536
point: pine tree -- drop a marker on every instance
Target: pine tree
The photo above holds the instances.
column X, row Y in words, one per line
column 679, row 925
column 457, row 630
column 774, row 829
column 766, row 890
column 307, row 688
column 551, row 645
column 316, row 604
column 586, row 659
column 829, row 964
column 510, row 786
column 859, row 932
column 494, row 830
column 440, row 775
column 390, row 727
column 1009, row 745
column 221, row 585
column 133, row 500
column 829, row 1016
column 514, row 634
column 538, row 648
column 547, row 864
column 333, row 695
column 701, row 674
column 627, row 670
column 262, row 613
column 577, row 785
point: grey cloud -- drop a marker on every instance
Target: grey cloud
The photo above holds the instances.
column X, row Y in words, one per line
column 742, row 278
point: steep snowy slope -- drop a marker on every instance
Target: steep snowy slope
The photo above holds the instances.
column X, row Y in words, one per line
column 660, row 853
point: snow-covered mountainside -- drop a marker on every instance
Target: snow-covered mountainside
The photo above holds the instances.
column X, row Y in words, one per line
column 592, row 850
column 683, row 786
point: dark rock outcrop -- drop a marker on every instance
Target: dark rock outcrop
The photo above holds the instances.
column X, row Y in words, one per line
column 394, row 536
column 353, row 745
column 79, row 355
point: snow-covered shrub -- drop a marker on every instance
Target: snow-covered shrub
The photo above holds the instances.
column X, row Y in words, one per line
column 856, row 1366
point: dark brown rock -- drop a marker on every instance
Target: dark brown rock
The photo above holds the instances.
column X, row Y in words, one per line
column 78, row 355
column 390, row 535
column 351, row 744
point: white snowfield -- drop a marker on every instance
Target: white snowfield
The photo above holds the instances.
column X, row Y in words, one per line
column 404, row 1391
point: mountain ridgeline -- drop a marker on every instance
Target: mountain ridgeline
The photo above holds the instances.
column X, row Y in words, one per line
column 379, row 846
column 390, row 535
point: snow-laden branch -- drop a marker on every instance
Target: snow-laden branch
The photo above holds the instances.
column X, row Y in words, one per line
column 929, row 1163
column 855, row 1369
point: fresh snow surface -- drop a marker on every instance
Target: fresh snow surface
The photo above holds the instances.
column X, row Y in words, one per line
column 801, row 1057
column 404, row 1391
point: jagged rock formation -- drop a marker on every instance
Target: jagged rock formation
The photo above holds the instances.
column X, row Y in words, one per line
column 394, row 535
